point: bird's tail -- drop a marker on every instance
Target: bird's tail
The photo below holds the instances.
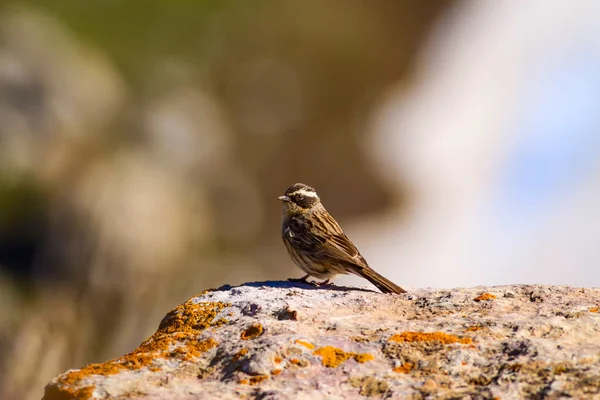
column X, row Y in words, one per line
column 382, row 283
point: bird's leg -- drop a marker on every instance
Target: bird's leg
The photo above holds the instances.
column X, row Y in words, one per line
column 304, row 279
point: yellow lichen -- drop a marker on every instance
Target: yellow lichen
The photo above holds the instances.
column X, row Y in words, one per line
column 429, row 337
column 176, row 337
column 334, row 357
column 404, row 368
column 308, row 345
column 276, row 371
column 252, row 332
column 484, row 296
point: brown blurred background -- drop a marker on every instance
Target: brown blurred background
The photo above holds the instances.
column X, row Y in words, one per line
column 143, row 146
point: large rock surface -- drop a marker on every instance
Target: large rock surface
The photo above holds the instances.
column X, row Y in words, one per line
column 278, row 340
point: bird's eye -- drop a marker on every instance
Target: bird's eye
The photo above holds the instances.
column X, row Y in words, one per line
column 300, row 197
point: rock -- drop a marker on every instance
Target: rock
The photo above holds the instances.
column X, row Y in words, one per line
column 280, row 340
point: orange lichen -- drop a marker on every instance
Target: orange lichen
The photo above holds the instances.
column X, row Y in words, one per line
column 334, row 357
column 66, row 393
column 429, row 337
column 474, row 328
column 308, row 345
column 594, row 309
column 193, row 348
column 277, row 360
column 176, row 337
column 240, row 354
column 404, row 368
column 191, row 317
column 276, row 371
column 362, row 357
column 244, row 381
column 252, row 332
column 484, row 296
column 254, row 380
column 299, row 362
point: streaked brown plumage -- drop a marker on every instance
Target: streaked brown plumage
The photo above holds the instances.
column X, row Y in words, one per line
column 317, row 244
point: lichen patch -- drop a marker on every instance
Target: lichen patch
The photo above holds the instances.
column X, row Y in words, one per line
column 474, row 328
column 255, row 380
column 239, row 354
column 252, row 332
column 299, row 362
column 175, row 338
column 306, row 344
column 484, row 297
column 68, row 393
column 409, row 337
column 334, row 357
column 404, row 368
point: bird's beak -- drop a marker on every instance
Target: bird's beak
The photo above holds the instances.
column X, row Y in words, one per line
column 284, row 198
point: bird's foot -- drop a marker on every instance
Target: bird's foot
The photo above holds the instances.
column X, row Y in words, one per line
column 326, row 282
column 304, row 279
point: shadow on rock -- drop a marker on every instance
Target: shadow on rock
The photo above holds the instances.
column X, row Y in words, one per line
column 298, row 285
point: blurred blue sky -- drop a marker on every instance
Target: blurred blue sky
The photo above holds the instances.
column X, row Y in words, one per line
column 558, row 141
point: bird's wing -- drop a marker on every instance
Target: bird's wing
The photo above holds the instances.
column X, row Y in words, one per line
column 299, row 234
column 323, row 237
column 336, row 245
column 342, row 248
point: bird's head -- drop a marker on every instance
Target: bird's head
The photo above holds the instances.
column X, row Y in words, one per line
column 299, row 198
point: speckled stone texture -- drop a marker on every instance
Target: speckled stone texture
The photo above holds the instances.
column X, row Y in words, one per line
column 280, row 340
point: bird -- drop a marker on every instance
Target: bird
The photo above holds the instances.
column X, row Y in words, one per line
column 318, row 245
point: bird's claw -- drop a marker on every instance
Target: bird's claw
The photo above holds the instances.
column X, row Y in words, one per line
column 304, row 279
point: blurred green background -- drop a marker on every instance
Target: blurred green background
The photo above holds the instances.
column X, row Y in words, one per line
column 143, row 146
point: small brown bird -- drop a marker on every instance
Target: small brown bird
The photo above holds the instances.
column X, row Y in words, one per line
column 318, row 245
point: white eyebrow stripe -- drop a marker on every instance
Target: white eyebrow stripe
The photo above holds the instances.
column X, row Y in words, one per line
column 305, row 192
